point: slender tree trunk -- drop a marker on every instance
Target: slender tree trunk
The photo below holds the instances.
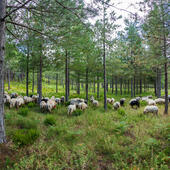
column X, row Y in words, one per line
column 56, row 82
column 2, row 54
column 98, row 86
column 158, row 82
column 125, row 86
column 120, row 86
column 144, row 85
column 9, row 79
column 94, row 86
column 33, row 81
column 140, row 86
column 155, row 84
column 112, row 85
column 66, row 76
column 87, row 84
column 128, row 87
column 40, row 77
column 78, row 83
column 137, row 87
column 134, row 88
column 27, row 72
column 116, row 85
column 131, row 87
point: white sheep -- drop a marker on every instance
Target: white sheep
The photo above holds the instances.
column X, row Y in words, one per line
column 116, row 105
column 12, row 103
column 28, row 99
column 95, row 103
column 7, row 99
column 151, row 109
column 43, row 105
column 50, row 105
column 82, row 106
column 58, row 100
column 35, row 98
column 19, row 102
column 151, row 102
column 160, row 101
column 71, row 109
column 91, row 99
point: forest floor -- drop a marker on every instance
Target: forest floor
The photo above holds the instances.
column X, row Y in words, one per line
column 95, row 139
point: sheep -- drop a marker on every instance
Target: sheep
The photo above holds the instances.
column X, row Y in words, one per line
column 110, row 100
column 14, row 95
column 12, row 103
column 91, row 98
column 149, row 97
column 151, row 109
column 144, row 98
column 138, row 98
column 82, row 106
column 160, row 101
column 95, row 103
column 122, row 101
column 7, row 99
column 62, row 99
column 27, row 99
column 116, row 105
column 151, row 102
column 71, row 109
column 45, row 99
column 43, row 106
column 134, row 102
column 58, row 100
column 19, row 102
column 50, row 105
column 53, row 98
column 35, row 98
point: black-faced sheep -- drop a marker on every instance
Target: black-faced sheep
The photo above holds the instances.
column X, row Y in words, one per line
column 116, row 105
column 134, row 102
column 122, row 101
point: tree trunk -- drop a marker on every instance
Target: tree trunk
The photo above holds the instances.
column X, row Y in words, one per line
column 98, row 86
column 78, row 83
column 137, row 87
column 40, row 77
column 94, row 86
column 112, row 85
column 2, row 54
column 134, row 88
column 125, row 86
column 87, row 84
column 33, row 81
column 116, row 85
column 120, row 86
column 158, row 90
column 131, row 87
column 9, row 79
column 140, row 86
column 27, row 72
column 56, row 82
column 128, row 87
column 66, row 76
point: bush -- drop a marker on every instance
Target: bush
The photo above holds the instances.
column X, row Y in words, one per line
column 143, row 103
column 23, row 111
column 77, row 112
column 121, row 112
column 23, row 137
column 49, row 120
column 67, row 103
column 26, row 124
column 30, row 105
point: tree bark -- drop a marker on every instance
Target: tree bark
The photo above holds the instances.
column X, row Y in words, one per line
column 27, row 71
column 128, row 87
column 40, row 77
column 134, row 88
column 9, row 79
column 140, row 86
column 131, row 87
column 78, row 83
column 66, row 76
column 33, row 80
column 56, row 82
column 116, row 85
column 87, row 84
column 2, row 54
column 98, row 86
column 158, row 90
column 112, row 85
column 94, row 86
column 120, row 86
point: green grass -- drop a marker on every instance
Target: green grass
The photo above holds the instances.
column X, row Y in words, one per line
column 122, row 139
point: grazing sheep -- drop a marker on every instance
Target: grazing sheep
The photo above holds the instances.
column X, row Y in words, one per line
column 160, row 101
column 122, row 101
column 14, row 95
column 151, row 109
column 43, row 106
column 71, row 109
column 110, row 100
column 45, row 99
column 50, row 105
column 91, row 98
column 95, row 103
column 149, row 97
column 144, row 98
column 134, row 102
column 12, row 103
column 35, row 98
column 19, row 102
column 82, row 106
column 58, row 100
column 151, row 102
column 27, row 99
column 138, row 98
column 62, row 99
column 7, row 99
column 116, row 105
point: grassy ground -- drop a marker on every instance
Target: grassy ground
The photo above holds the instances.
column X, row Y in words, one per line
column 123, row 139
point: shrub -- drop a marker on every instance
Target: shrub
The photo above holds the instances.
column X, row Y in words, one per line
column 26, row 124
column 30, row 105
column 121, row 112
column 49, row 120
column 143, row 103
column 77, row 112
column 23, row 137
column 23, row 111
column 67, row 103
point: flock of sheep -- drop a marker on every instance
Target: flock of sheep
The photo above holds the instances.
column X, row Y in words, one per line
column 48, row 104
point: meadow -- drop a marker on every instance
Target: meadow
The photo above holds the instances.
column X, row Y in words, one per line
column 92, row 139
